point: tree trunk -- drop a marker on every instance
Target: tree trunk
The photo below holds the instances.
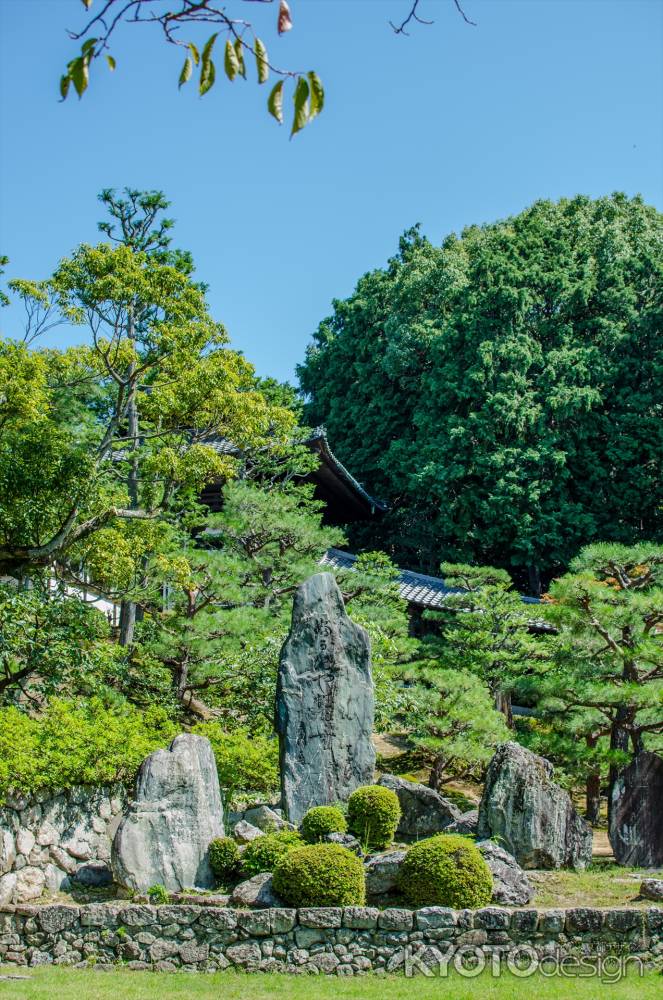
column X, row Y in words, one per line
column 593, row 798
column 619, row 740
column 437, row 775
column 127, row 622
column 534, row 581
column 503, row 705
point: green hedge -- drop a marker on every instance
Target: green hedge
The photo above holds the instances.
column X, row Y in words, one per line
column 262, row 854
column 321, row 820
column 320, row 875
column 445, row 870
column 77, row 743
column 373, row 815
column 224, row 859
column 247, row 762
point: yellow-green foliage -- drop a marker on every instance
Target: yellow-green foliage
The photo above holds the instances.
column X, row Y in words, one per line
column 263, row 853
column 445, row 870
column 82, row 743
column 321, row 820
column 224, row 859
column 373, row 815
column 320, row 875
column 246, row 762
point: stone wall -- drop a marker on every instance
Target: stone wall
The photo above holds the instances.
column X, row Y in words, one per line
column 346, row 941
column 47, row 840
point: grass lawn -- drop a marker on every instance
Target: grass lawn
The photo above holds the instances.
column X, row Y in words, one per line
column 81, row 984
column 603, row 884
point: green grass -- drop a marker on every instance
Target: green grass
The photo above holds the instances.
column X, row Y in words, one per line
column 80, row 984
column 603, row 884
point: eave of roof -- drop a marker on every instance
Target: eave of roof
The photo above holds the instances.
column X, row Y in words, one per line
column 318, row 442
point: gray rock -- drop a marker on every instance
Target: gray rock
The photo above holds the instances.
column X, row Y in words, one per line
column 381, row 872
column 266, row 819
column 511, row 887
column 466, row 823
column 256, row 892
column 164, row 838
column 244, row 832
column 30, row 884
column 324, row 701
column 529, row 814
column 636, row 813
column 7, row 850
column 345, row 840
column 652, row 888
column 7, row 888
column 424, row 811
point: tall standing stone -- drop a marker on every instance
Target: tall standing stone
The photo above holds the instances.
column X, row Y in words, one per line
column 164, row 838
column 636, row 813
column 324, row 701
column 531, row 816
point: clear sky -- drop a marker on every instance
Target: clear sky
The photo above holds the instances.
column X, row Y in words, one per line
column 450, row 126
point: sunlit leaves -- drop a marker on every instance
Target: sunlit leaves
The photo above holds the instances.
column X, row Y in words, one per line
column 317, row 95
column 275, row 102
column 187, row 69
column 262, row 63
column 207, row 68
column 111, row 63
column 231, row 64
column 301, row 114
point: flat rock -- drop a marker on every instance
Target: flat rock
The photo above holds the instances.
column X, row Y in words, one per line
column 511, row 887
column 532, row 817
column 636, row 813
column 256, row 892
column 345, row 840
column 266, row 820
column 381, row 872
column 652, row 888
column 244, row 832
column 164, row 838
column 466, row 824
column 324, row 701
column 424, row 811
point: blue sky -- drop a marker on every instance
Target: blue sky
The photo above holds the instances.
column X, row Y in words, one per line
column 451, row 126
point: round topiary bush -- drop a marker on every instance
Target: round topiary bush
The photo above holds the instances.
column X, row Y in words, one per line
column 445, row 870
column 262, row 853
column 224, row 859
column 373, row 815
column 321, row 820
column 320, row 875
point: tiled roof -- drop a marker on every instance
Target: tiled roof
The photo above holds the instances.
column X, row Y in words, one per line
column 318, row 441
column 419, row 590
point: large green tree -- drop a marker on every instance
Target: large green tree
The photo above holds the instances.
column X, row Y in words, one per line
column 503, row 391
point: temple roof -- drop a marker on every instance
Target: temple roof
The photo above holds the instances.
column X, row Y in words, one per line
column 335, row 485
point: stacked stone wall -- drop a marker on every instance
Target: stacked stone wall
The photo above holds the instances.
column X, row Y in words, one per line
column 348, row 941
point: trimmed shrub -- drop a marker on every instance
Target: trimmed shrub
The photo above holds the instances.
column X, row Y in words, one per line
column 373, row 815
column 262, row 854
column 224, row 859
column 321, row 820
column 320, row 875
column 246, row 762
column 445, row 870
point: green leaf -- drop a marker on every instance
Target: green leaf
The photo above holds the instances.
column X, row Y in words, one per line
column 239, row 52
column 261, row 61
column 187, row 69
column 88, row 46
column 79, row 75
column 275, row 102
column 209, row 45
column 111, row 62
column 194, row 52
column 207, row 76
column 231, row 64
column 64, row 86
column 317, row 99
column 300, row 117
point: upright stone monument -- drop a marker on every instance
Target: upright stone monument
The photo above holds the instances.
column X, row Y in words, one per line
column 324, row 701
column 532, row 816
column 164, row 838
column 636, row 813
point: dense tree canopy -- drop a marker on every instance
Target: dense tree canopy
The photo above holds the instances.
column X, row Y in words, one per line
column 503, row 391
